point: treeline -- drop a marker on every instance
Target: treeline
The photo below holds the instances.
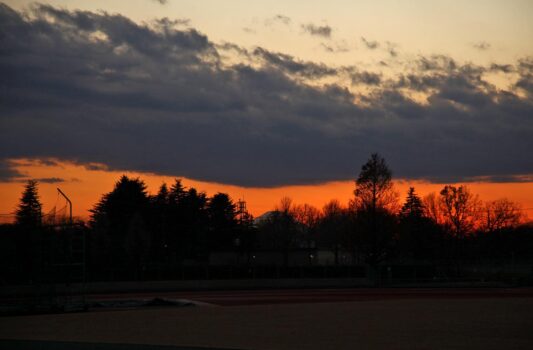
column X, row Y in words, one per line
column 134, row 235
column 131, row 228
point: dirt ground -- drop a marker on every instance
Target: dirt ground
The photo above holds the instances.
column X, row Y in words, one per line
column 484, row 323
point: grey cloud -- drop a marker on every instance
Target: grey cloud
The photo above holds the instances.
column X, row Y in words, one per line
column 317, row 30
column 436, row 63
column 481, row 45
column 483, row 179
column 335, row 47
column 8, row 172
column 165, row 23
column 157, row 99
column 95, row 167
column 278, row 19
column 290, row 65
column 42, row 161
column 50, row 180
column 504, row 68
column 370, row 44
column 366, row 78
column 162, row 2
column 525, row 71
column 233, row 47
column 418, row 82
column 392, row 49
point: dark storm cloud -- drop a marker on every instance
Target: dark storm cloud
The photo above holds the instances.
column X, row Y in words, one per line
column 317, row 30
column 95, row 88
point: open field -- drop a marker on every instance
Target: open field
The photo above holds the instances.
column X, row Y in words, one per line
column 304, row 319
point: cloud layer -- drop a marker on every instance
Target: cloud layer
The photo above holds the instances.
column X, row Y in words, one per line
column 100, row 88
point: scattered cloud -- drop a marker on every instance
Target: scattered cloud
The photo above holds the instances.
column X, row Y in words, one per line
column 50, row 180
column 282, row 19
column 95, row 167
column 248, row 30
column 504, row 68
column 291, row 65
column 372, row 45
column 159, row 98
column 481, row 45
column 365, row 78
column 8, row 172
column 392, row 49
column 340, row 47
column 318, row 30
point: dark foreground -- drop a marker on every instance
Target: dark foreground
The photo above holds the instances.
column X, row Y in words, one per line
column 323, row 295
column 295, row 319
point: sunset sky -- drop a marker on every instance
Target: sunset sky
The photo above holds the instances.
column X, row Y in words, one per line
column 265, row 99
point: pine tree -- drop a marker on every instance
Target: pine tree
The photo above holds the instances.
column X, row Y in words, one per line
column 413, row 206
column 29, row 212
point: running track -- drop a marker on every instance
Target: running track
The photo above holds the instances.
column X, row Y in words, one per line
column 290, row 296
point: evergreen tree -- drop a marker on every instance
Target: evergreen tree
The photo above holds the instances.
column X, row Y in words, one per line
column 413, row 206
column 29, row 211
column 193, row 208
column 117, row 208
column 222, row 220
column 120, row 218
column 160, row 223
column 177, row 193
column 417, row 235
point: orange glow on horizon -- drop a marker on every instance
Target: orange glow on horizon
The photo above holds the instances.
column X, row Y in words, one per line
column 85, row 187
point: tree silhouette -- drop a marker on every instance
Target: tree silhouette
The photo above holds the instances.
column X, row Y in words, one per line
column 160, row 224
column 29, row 242
column 333, row 227
column 432, row 208
column 460, row 209
column 308, row 218
column 121, row 217
column 413, row 206
column 501, row 214
column 29, row 211
column 194, row 216
column 117, row 208
column 417, row 233
column 375, row 201
column 374, row 187
column 222, row 221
